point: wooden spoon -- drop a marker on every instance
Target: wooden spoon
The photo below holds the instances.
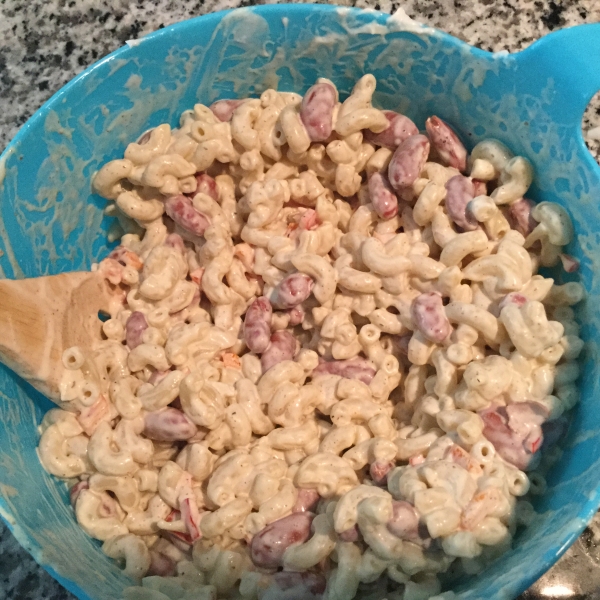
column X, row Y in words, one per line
column 42, row 317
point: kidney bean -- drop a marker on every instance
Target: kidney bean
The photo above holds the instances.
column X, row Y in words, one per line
column 76, row 490
column 160, row 565
column 519, row 214
column 515, row 430
column 383, row 198
column 282, row 347
column 407, row 161
column 404, row 522
column 459, row 192
column 223, row 109
column 292, row 290
column 400, row 127
column 297, row 315
column 182, row 211
column 350, row 535
column 449, row 148
column 257, row 325
column 353, row 368
column 134, row 329
column 267, row 546
column 290, row 585
column 307, row 501
column 512, row 298
column 316, row 111
column 207, row 185
column 168, row 425
column 379, row 471
column 428, row 313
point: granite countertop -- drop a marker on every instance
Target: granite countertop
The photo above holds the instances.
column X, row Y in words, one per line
column 45, row 43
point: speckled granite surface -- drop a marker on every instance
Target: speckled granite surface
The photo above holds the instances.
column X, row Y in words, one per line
column 45, row 43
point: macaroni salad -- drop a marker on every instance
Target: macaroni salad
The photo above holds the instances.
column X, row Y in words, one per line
column 330, row 366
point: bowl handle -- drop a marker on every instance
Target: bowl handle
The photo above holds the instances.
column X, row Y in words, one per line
column 567, row 62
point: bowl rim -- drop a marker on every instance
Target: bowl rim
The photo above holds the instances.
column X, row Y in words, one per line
column 587, row 510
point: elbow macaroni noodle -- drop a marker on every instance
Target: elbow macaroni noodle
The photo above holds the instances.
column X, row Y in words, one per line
column 331, row 359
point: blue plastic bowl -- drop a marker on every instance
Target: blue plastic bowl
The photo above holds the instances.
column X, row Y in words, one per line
column 533, row 101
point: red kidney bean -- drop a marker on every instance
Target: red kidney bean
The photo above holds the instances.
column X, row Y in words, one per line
column 428, row 313
column 76, row 490
column 160, row 565
column 223, row 109
column 512, row 298
column 267, row 547
column 168, row 425
column 353, row 368
column 257, row 325
column 134, row 329
column 570, row 264
column 307, row 501
column 290, row 585
column 309, row 221
column 316, row 111
column 407, row 161
column 400, row 128
column 404, row 522
column 207, row 185
column 479, row 187
column 515, row 431
column 379, row 471
column 292, row 290
column 297, row 315
column 182, row 211
column 449, row 148
column 459, row 192
column 383, row 198
column 350, row 535
column 282, row 347
column 519, row 214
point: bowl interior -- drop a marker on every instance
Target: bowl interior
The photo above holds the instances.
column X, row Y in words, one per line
column 52, row 223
